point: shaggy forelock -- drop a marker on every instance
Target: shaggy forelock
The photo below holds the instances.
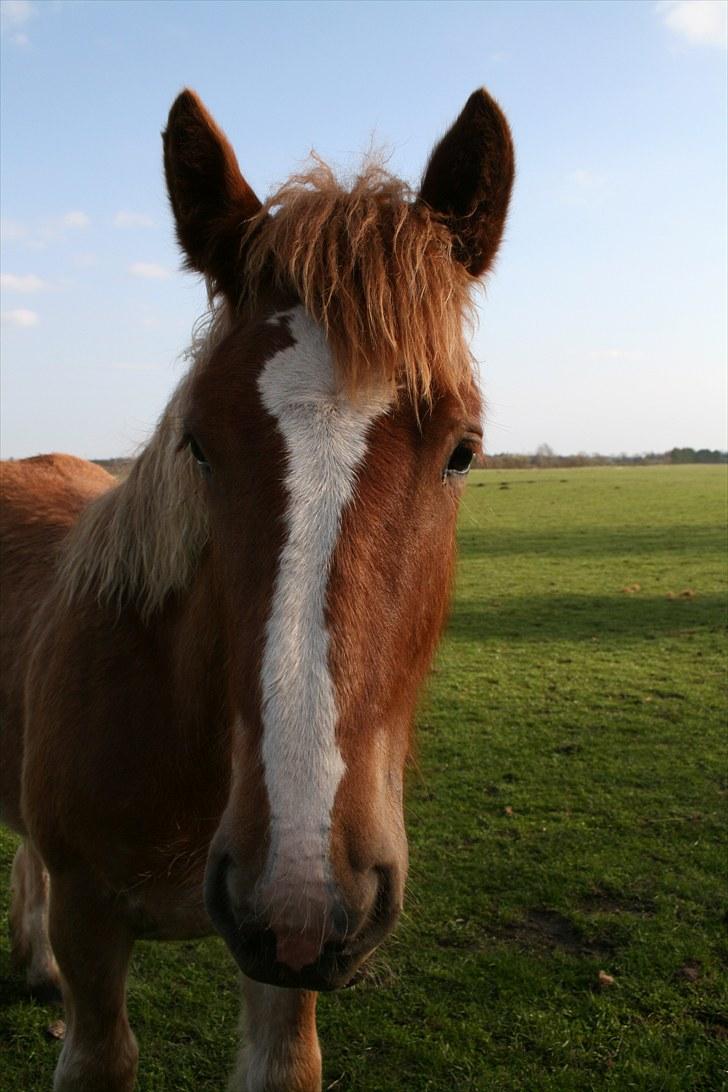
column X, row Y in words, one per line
column 375, row 268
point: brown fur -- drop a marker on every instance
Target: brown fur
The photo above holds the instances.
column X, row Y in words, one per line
column 210, row 198
column 468, row 182
column 134, row 615
column 40, row 499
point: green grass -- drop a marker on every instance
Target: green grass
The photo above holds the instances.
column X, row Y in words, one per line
column 567, row 816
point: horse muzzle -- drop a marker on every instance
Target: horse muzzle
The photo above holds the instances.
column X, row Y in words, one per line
column 324, row 957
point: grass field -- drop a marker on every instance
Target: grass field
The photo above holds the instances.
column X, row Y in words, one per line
column 567, row 817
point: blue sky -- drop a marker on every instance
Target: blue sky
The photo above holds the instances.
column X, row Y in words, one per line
column 604, row 326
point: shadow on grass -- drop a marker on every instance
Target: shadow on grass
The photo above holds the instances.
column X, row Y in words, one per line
column 582, row 617
column 693, row 541
column 13, row 991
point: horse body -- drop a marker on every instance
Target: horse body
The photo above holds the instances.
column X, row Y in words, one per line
column 211, row 668
column 135, row 681
column 41, row 498
column 141, row 710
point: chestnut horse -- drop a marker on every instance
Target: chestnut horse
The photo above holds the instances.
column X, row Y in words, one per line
column 210, row 669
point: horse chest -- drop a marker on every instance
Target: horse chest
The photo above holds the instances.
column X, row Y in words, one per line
column 168, row 911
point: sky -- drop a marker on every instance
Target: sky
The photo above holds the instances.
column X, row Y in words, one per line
column 603, row 327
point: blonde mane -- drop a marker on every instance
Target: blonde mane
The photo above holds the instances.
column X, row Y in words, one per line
column 375, row 268
column 142, row 539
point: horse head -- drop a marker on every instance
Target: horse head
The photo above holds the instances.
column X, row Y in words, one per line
column 331, row 422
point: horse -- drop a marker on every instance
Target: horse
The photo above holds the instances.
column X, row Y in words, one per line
column 210, row 668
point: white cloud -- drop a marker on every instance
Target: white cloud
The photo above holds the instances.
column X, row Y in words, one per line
column 149, row 271
column 21, row 282
column 10, row 230
column 76, row 219
column 126, row 219
column 20, row 316
column 13, row 13
column 583, row 186
column 85, row 260
column 39, row 234
column 627, row 355
column 584, row 178
column 702, row 22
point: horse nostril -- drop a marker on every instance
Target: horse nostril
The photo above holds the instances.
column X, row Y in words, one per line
column 385, row 905
column 341, row 923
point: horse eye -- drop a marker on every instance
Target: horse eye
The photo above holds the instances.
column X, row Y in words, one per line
column 198, row 455
column 460, row 460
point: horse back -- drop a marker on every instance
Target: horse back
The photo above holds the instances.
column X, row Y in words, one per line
column 40, row 499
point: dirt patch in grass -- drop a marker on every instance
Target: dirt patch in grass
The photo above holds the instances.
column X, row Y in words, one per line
column 538, row 929
column 568, row 749
column 541, row 928
column 715, row 1023
column 606, row 901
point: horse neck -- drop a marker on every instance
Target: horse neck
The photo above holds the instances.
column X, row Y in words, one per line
column 190, row 631
column 141, row 541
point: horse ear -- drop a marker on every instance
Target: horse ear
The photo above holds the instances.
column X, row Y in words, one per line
column 468, row 181
column 210, row 198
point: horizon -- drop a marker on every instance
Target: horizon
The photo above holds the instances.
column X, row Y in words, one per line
column 604, row 329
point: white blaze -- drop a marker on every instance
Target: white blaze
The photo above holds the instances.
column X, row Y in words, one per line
column 325, row 438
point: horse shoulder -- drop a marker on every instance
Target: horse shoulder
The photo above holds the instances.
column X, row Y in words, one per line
column 40, row 500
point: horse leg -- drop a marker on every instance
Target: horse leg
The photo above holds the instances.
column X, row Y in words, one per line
column 93, row 947
column 30, row 946
column 281, row 1049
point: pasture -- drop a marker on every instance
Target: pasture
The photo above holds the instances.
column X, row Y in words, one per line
column 565, row 921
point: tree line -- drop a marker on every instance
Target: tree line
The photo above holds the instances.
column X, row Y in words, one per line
column 545, row 457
